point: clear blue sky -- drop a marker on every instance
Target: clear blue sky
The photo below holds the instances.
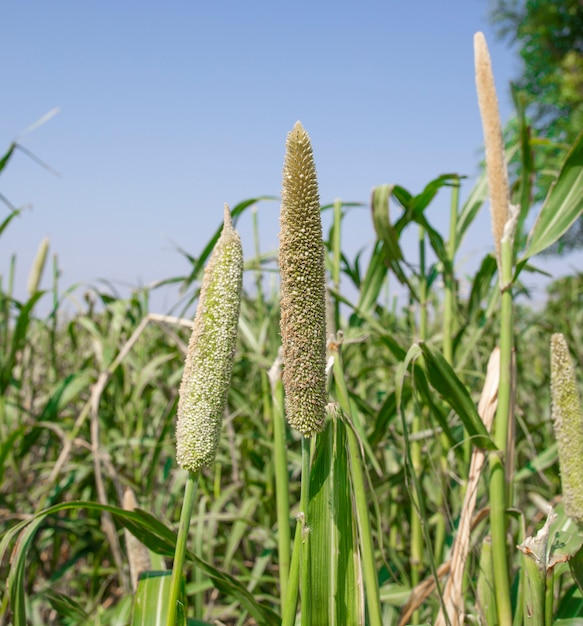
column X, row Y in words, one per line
column 168, row 110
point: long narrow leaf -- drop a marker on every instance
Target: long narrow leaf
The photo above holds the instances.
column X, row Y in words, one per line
column 562, row 206
column 445, row 381
column 336, row 600
column 150, row 531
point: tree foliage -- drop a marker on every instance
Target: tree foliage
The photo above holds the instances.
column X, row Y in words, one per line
column 548, row 35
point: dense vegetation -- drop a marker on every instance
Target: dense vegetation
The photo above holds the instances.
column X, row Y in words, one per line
column 87, row 418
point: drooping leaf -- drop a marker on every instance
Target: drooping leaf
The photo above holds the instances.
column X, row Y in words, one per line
column 65, row 606
column 150, row 531
column 386, row 232
column 562, row 206
column 374, row 279
column 443, row 378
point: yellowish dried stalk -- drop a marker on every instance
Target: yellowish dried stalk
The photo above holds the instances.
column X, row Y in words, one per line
column 453, row 596
column 209, row 361
column 303, row 294
column 567, row 416
column 138, row 555
column 494, row 144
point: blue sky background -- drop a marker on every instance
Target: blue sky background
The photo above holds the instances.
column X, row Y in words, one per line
column 168, row 110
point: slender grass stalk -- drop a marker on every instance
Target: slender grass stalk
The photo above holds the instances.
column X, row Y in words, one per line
column 449, row 307
column 281, row 479
column 258, row 273
column 288, row 612
column 416, row 557
column 305, row 569
column 498, row 489
column 503, row 224
column 54, row 316
column 336, row 258
column 199, row 541
column 550, row 596
column 448, row 278
column 174, row 611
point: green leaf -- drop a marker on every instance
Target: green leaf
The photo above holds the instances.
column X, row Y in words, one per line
column 526, row 162
column 4, row 160
column 376, row 274
column 576, row 565
column 150, row 531
column 65, row 606
column 335, row 569
column 151, row 600
column 382, row 222
column 7, row 362
column 7, row 446
column 9, row 218
column 562, row 206
column 386, row 232
column 443, row 378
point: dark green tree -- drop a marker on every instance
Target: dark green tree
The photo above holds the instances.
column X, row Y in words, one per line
column 548, row 35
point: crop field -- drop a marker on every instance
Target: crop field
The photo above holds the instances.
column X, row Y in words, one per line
column 325, row 456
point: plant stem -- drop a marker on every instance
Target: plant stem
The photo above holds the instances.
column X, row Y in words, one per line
column 448, row 278
column 448, row 331
column 498, row 487
column 281, row 488
column 416, row 461
column 288, row 612
column 179, row 554
column 305, row 582
column 336, row 256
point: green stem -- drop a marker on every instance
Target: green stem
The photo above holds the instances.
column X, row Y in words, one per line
column 416, row 555
column 179, row 554
column 549, row 596
column 371, row 584
column 498, row 489
column 448, row 332
column 305, row 580
column 288, row 612
column 448, row 277
column 281, row 488
column 199, row 542
column 258, row 274
column 534, row 596
column 336, row 256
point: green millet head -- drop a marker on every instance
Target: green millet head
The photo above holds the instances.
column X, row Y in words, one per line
column 303, row 293
column 207, row 370
column 568, row 422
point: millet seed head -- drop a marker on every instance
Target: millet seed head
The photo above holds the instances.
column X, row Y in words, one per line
column 209, row 361
column 494, row 144
column 567, row 417
column 303, row 293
